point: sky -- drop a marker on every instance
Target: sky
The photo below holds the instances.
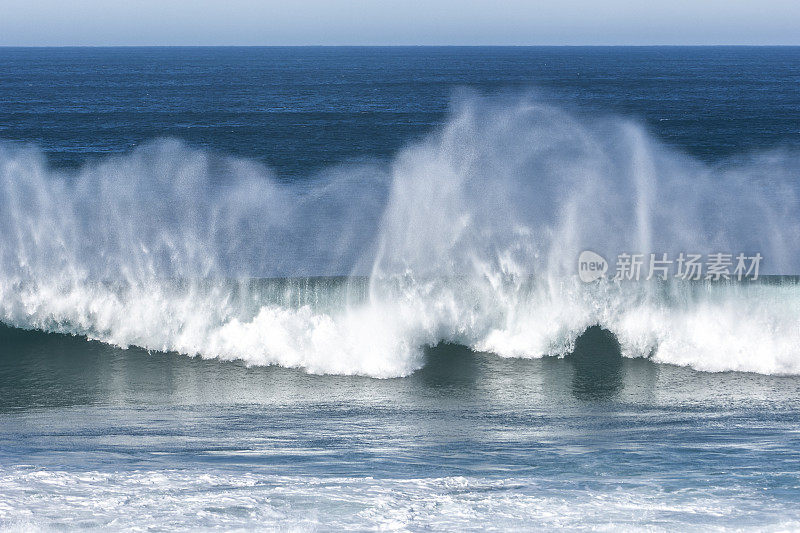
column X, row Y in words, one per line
column 395, row 22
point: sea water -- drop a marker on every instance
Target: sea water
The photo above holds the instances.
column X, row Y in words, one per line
column 318, row 288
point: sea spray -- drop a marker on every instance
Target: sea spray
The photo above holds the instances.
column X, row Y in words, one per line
column 470, row 235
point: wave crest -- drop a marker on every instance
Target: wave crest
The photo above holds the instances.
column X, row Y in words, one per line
column 469, row 236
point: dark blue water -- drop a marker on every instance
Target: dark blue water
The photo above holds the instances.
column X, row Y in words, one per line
column 298, row 109
column 98, row 436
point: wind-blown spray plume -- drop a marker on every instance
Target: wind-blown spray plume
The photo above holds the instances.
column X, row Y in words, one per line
column 471, row 236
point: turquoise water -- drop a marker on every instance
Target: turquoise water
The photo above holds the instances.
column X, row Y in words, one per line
column 98, row 437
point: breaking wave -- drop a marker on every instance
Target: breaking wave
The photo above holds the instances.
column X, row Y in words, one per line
column 471, row 236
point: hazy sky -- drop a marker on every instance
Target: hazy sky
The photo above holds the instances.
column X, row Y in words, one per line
column 393, row 22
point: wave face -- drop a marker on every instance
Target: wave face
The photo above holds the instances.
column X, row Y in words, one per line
column 469, row 236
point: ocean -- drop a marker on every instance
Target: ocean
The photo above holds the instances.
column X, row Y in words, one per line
column 340, row 288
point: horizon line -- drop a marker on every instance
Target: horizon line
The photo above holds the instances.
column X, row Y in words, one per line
column 661, row 45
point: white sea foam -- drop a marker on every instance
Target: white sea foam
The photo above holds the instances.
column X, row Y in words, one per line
column 49, row 500
column 469, row 236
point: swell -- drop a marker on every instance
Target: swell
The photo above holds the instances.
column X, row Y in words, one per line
column 470, row 236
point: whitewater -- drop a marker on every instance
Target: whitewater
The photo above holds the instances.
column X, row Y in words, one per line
column 469, row 236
